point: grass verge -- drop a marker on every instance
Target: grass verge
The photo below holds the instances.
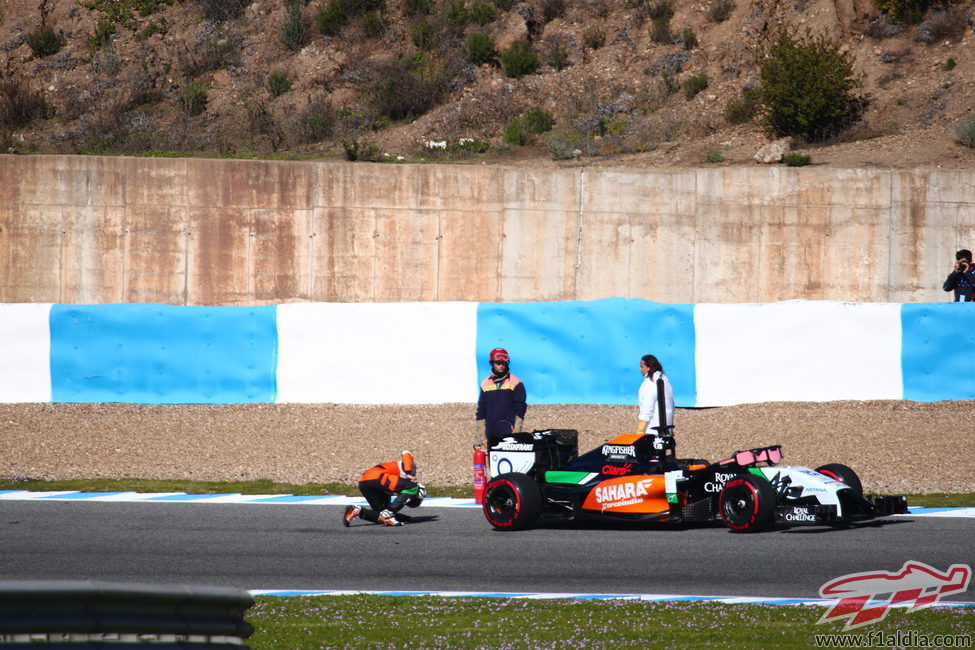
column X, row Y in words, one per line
column 366, row 621
column 932, row 500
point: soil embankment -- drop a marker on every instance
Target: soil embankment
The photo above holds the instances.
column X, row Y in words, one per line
column 895, row 446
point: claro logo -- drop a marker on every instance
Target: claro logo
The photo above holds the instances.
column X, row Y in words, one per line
column 617, row 470
column 718, row 483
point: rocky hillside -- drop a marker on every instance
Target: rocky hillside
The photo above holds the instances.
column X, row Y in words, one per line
column 625, row 82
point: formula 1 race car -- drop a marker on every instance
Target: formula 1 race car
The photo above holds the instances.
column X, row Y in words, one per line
column 638, row 477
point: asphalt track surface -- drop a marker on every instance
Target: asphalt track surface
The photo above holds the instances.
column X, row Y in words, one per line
column 451, row 549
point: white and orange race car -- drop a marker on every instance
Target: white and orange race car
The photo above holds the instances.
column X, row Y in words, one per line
column 637, row 477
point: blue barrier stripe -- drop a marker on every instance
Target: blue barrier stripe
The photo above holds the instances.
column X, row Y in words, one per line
column 938, row 351
column 160, row 354
column 577, row 352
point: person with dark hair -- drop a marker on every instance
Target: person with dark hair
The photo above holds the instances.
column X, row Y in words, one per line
column 650, row 407
column 502, row 402
column 961, row 280
column 378, row 484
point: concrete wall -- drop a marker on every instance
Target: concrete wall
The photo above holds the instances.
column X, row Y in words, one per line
column 221, row 232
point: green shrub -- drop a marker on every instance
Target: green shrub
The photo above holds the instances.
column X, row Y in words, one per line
column 480, row 48
column 905, row 11
column 457, row 14
column 695, row 84
column 44, row 41
column 19, row 106
column 552, row 9
column 715, row 157
column 319, row 124
column 557, row 56
column 809, row 88
column 539, row 121
column 415, row 8
column 293, row 29
column 594, row 38
column 481, row 13
column 104, row 30
column 215, row 52
column 742, row 109
column 689, row 38
column 519, row 60
column 515, row 133
column 965, row 131
column 278, row 83
column 504, row 5
column 106, row 61
column 424, row 35
column 660, row 30
column 373, row 24
column 796, row 160
column 193, row 99
column 661, row 9
column 949, row 64
column 221, row 10
column 405, row 88
column 150, row 30
column 942, row 26
column 563, row 146
column 366, row 153
column 669, row 81
column 720, row 10
column 331, row 17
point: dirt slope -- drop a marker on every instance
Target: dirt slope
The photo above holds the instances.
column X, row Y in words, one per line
column 125, row 95
column 894, row 446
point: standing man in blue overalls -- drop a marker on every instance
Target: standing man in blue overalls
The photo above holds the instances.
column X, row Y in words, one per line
column 502, row 402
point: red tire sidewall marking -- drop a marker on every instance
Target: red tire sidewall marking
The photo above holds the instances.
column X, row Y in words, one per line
column 488, row 513
column 751, row 521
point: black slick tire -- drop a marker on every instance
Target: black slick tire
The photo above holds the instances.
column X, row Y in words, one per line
column 844, row 475
column 747, row 504
column 512, row 502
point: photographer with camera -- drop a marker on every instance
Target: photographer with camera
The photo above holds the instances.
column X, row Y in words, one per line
column 962, row 279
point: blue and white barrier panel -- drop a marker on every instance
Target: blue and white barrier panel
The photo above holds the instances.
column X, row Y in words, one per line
column 576, row 352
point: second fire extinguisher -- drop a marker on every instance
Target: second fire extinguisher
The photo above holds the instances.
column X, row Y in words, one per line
column 480, row 458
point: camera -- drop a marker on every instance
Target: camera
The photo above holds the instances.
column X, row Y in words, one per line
column 962, row 265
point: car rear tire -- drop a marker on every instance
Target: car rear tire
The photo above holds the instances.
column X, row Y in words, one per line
column 512, row 502
column 843, row 474
column 747, row 504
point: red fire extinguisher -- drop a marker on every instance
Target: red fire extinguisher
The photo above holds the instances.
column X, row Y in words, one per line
column 480, row 458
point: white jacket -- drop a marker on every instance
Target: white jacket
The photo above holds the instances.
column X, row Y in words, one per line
column 648, row 401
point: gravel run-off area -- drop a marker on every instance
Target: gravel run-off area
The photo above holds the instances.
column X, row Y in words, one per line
column 895, row 446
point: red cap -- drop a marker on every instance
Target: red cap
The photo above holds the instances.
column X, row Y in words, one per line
column 498, row 354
